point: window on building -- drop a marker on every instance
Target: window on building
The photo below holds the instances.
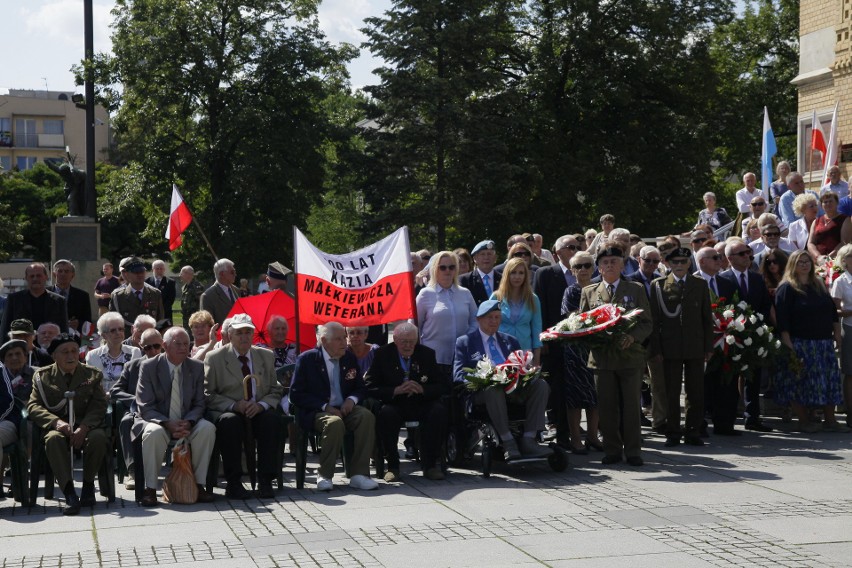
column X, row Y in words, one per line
column 54, row 126
column 5, row 163
column 5, row 132
column 25, row 133
column 26, row 162
column 811, row 160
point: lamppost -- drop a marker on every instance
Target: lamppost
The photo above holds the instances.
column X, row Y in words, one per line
column 88, row 30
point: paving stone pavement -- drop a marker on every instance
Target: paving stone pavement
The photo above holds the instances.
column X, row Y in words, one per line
column 778, row 499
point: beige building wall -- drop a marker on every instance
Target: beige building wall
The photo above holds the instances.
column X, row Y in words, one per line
column 35, row 141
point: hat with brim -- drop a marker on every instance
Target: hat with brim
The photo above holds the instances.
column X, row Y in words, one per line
column 21, row 327
column 680, row 252
column 132, row 264
column 277, row 271
column 61, row 339
column 482, row 245
column 609, row 251
column 11, row 344
column 241, row 321
column 487, row 307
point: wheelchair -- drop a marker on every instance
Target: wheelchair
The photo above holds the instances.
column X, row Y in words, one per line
column 470, row 429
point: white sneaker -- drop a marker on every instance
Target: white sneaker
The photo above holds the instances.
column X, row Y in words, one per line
column 129, row 481
column 363, row 483
column 324, row 484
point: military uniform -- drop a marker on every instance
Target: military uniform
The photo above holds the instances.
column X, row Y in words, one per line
column 190, row 301
column 48, row 404
column 683, row 334
column 125, row 302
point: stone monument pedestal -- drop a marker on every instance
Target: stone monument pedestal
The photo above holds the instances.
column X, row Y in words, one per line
column 78, row 239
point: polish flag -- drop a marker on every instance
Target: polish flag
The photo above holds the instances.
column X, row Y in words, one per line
column 818, row 138
column 371, row 286
column 831, row 149
column 179, row 219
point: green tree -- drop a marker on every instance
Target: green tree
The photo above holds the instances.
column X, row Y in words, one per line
column 30, row 201
column 224, row 98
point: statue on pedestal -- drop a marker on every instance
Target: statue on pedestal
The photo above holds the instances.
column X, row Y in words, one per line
column 75, row 185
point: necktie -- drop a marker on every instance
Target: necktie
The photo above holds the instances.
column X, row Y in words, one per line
column 231, row 294
column 494, row 353
column 139, row 295
column 610, row 289
column 157, row 282
column 486, row 282
column 713, row 285
column 176, row 405
column 246, row 370
column 406, row 366
column 336, row 394
column 743, row 286
column 567, row 275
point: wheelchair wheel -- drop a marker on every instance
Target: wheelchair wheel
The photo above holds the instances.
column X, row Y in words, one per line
column 453, row 451
column 558, row 460
column 485, row 455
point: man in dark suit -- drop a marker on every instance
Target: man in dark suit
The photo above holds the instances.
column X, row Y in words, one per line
column 750, row 288
column 219, row 298
column 550, row 285
column 720, row 400
column 124, row 391
column 488, row 342
column 326, row 389
column 170, row 399
column 683, row 340
column 405, row 378
column 483, row 279
column 166, row 286
column 618, row 373
column 136, row 297
column 36, row 303
column 77, row 301
column 230, row 407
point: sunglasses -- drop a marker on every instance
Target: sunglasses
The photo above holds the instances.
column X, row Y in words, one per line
column 773, row 234
column 699, row 240
column 758, row 203
column 678, row 261
column 772, row 261
column 153, row 346
column 520, row 254
column 445, row 267
column 570, row 247
column 714, row 257
column 744, row 253
column 651, row 260
column 582, row 265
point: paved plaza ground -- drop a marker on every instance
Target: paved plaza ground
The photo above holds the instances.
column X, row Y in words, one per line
column 779, row 499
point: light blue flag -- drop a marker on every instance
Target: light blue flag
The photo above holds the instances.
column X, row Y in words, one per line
column 766, row 154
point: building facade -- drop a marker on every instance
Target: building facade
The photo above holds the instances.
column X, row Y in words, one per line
column 35, row 125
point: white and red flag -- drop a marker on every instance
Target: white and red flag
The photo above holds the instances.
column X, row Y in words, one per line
column 370, row 286
column 833, row 142
column 818, row 138
column 179, row 219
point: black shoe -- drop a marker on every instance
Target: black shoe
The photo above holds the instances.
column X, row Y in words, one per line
column 672, row 441
column 236, row 490
column 703, row 433
column 581, row 451
column 719, row 431
column 410, row 450
column 594, row 445
column 265, row 490
column 72, row 504
column 757, row 427
column 609, row 460
column 661, row 429
column 635, row 461
column 693, row 440
column 87, row 496
column 644, row 421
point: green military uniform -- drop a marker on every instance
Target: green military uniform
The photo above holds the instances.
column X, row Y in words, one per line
column 190, row 301
column 48, row 404
column 683, row 334
column 618, row 373
column 125, row 301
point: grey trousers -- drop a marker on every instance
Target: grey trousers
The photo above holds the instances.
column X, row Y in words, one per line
column 533, row 396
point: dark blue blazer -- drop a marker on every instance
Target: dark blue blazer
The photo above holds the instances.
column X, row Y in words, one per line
column 310, row 390
column 758, row 295
column 636, row 276
column 473, row 282
column 470, row 351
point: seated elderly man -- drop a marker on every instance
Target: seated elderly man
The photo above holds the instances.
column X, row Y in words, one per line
column 405, row 378
column 37, row 355
column 487, row 341
column 48, row 409
column 170, row 399
column 10, row 413
column 140, row 324
column 277, row 329
column 326, row 390
column 232, row 411
column 124, row 391
column 16, row 371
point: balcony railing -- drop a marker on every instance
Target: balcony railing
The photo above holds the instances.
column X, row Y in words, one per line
column 26, row 140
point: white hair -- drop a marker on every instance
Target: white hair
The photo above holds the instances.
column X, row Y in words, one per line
column 221, row 265
column 188, row 268
column 405, row 327
column 709, row 194
column 172, row 331
column 158, row 263
column 108, row 318
column 144, row 318
column 619, row 232
column 643, row 252
column 326, row 329
column 276, row 317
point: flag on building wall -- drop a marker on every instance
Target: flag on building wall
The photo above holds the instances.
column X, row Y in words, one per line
column 818, row 138
column 768, row 151
column 370, row 286
column 831, row 151
column 179, row 219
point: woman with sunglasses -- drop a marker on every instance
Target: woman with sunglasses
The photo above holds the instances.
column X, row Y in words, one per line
column 772, row 266
column 580, row 390
column 807, row 319
column 520, row 307
column 522, row 251
column 827, row 230
column 445, row 310
column 113, row 354
column 841, row 291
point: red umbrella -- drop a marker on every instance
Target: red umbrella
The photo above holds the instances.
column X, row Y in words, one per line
column 276, row 303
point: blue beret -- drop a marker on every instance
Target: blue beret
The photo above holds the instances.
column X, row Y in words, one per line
column 482, row 245
column 487, row 306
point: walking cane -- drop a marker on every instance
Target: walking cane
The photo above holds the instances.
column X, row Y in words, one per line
column 69, row 398
column 249, row 385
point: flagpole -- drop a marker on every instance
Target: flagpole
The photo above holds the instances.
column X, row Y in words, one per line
column 296, row 291
column 197, row 225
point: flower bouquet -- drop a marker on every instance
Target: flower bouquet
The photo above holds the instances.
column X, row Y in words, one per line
column 742, row 342
column 602, row 327
column 829, row 271
column 515, row 373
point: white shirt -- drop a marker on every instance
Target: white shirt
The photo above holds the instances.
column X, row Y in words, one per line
column 842, row 289
column 329, row 366
column 798, row 235
column 744, row 198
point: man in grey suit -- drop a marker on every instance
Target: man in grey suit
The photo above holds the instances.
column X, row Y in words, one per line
column 618, row 372
column 170, row 399
column 219, row 298
column 135, row 298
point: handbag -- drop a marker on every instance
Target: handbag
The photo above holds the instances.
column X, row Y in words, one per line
column 180, row 486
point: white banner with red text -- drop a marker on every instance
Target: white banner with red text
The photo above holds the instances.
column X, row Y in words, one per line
column 371, row 286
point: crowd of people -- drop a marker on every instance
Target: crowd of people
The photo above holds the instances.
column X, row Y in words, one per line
column 786, row 255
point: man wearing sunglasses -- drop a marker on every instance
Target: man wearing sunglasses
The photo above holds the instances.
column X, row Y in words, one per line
column 550, row 284
column 750, row 288
column 683, row 340
column 770, row 238
column 757, row 207
column 124, row 391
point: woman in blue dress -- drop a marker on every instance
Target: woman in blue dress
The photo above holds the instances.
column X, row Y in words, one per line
column 520, row 307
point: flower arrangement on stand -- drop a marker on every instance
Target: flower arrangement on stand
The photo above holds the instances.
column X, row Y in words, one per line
column 515, row 373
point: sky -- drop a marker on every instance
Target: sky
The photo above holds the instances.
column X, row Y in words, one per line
column 47, row 36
